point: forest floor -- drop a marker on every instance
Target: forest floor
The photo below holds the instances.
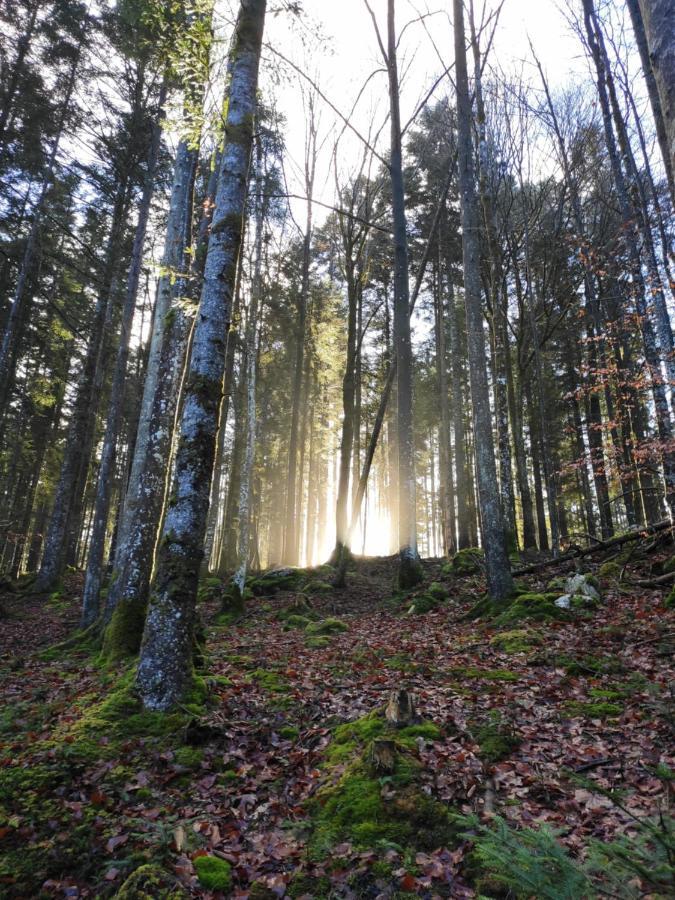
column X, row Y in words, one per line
column 564, row 722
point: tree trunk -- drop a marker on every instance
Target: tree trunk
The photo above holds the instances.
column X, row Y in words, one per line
column 95, row 570
column 164, row 675
column 500, row 583
column 410, row 572
column 659, row 28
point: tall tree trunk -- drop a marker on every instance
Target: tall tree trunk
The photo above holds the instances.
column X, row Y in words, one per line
column 652, row 356
column 500, row 583
column 251, row 361
column 18, row 314
column 51, row 566
column 95, row 570
column 410, row 571
column 164, row 673
column 659, row 28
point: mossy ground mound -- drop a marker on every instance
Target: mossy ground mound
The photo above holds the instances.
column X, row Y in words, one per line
column 373, row 804
column 214, row 874
column 517, row 640
column 470, row 561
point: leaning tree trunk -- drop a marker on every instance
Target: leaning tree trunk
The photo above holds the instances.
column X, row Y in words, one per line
column 658, row 19
column 500, row 583
column 164, row 675
column 94, row 574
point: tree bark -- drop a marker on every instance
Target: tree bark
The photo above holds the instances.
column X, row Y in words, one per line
column 164, row 675
column 500, row 583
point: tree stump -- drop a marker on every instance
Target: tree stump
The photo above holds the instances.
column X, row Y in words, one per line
column 400, row 709
column 383, row 755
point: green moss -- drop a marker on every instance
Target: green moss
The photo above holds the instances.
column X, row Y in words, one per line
column 533, row 607
column 519, row 640
column 669, row 601
column 214, row 874
column 468, row 561
column 592, row 710
column 604, row 694
column 485, row 674
column 318, row 587
column 189, row 757
column 122, row 637
column 317, row 886
column 496, row 740
column 422, row 604
column 317, row 643
column 327, row 626
column 270, row 681
column 294, row 621
column 349, row 738
column 438, row 591
column 289, row 732
column 610, row 571
column 587, row 665
column 276, row 580
column 149, row 882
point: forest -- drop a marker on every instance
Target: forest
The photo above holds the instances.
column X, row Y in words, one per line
column 337, row 465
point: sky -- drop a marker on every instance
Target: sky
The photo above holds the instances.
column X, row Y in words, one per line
column 350, row 54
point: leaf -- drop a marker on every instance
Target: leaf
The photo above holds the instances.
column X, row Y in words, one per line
column 116, row 841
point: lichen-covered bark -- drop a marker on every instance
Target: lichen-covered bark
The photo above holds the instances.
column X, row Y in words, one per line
column 500, row 583
column 165, row 667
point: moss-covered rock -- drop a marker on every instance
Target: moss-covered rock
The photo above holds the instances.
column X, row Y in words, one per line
column 316, row 586
column 469, row 561
column 276, row 580
column 421, row 604
column 214, row 874
column 438, row 591
column 610, row 571
column 533, row 607
column 327, row 626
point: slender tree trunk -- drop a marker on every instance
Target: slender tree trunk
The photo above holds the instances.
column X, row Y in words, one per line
column 20, row 308
column 164, row 673
column 652, row 357
column 410, row 572
column 500, row 583
column 95, row 569
column 76, row 441
column 251, row 361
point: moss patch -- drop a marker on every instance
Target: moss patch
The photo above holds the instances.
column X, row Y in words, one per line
column 496, row 740
column 327, row 626
column 148, row 882
column 370, row 808
column 269, row 680
column 518, row 640
column 214, row 874
column 592, row 710
column 533, row 607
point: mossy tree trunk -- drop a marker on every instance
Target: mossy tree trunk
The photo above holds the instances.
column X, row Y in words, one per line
column 164, row 673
